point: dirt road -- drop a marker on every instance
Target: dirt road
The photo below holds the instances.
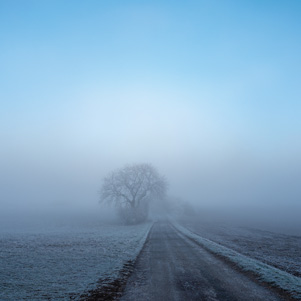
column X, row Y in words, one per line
column 172, row 267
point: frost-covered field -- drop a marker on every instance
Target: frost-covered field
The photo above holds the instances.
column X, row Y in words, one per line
column 279, row 250
column 274, row 257
column 54, row 263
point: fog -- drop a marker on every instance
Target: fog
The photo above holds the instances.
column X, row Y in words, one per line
column 223, row 127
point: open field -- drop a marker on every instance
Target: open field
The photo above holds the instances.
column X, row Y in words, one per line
column 277, row 249
column 62, row 262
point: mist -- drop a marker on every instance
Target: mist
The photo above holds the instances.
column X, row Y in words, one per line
column 56, row 164
column 224, row 128
column 150, row 150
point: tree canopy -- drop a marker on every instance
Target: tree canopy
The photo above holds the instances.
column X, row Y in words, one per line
column 132, row 188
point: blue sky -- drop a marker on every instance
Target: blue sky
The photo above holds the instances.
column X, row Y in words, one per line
column 87, row 86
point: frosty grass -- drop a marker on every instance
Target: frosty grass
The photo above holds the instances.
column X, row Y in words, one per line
column 54, row 264
column 266, row 273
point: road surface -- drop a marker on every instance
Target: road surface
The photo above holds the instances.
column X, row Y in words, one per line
column 172, row 267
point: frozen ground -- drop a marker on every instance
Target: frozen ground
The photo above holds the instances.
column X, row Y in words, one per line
column 58, row 262
column 276, row 249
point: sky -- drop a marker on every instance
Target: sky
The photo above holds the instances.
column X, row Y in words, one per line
column 206, row 91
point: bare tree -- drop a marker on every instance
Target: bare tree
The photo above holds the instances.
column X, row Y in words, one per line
column 131, row 189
